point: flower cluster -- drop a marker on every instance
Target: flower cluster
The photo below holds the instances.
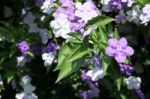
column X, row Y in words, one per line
column 72, row 17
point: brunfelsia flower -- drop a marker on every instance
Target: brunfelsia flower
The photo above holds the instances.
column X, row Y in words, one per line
column 23, row 47
column 133, row 15
column 48, row 58
column 84, row 9
column 145, row 16
column 47, row 5
column 126, row 69
column 117, row 4
column 61, row 27
column 133, row 83
column 119, row 49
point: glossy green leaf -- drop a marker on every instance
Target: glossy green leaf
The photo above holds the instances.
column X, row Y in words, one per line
column 100, row 21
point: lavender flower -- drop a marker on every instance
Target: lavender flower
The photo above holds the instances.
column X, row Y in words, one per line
column 126, row 69
column 83, row 10
column 23, row 47
column 119, row 49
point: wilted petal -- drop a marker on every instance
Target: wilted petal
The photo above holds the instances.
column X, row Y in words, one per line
column 112, row 42
column 123, row 42
column 110, row 51
column 129, row 51
column 120, row 58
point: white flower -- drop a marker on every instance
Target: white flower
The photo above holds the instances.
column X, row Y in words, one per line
column 133, row 15
column 28, row 89
column 48, row 58
column 96, row 74
column 25, row 80
column 145, row 16
column 47, row 5
column 130, row 3
column 1, row 81
column 133, row 82
column 23, row 95
column 61, row 27
column 84, row 9
column 146, row 9
column 21, row 61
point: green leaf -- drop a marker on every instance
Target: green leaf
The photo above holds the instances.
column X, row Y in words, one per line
column 116, row 34
column 83, row 50
column 103, row 34
column 143, row 2
column 70, row 59
column 105, row 62
column 99, row 21
column 68, row 68
column 9, row 76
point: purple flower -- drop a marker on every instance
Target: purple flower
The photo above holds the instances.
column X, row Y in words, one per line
column 23, row 47
column 119, row 49
column 117, row 4
column 51, row 47
column 39, row 2
column 126, row 69
column 121, row 18
column 140, row 94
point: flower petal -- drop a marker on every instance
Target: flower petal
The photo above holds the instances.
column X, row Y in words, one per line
column 113, row 42
column 123, row 42
column 129, row 51
column 110, row 51
column 120, row 58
